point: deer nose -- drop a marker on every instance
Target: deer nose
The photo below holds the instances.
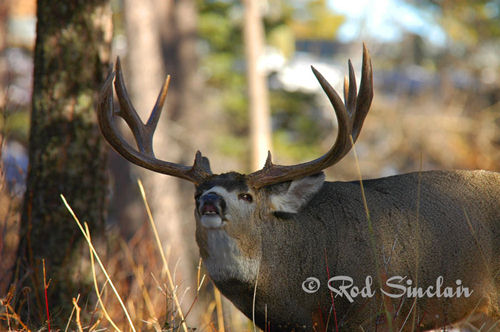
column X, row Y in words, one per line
column 210, row 197
column 211, row 203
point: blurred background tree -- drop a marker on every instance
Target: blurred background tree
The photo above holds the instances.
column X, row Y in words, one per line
column 161, row 39
column 437, row 92
column 223, row 68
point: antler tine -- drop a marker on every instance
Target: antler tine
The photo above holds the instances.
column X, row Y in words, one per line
column 155, row 114
column 342, row 143
column 143, row 133
column 350, row 117
column 350, row 98
column 143, row 137
column 365, row 95
column 346, row 87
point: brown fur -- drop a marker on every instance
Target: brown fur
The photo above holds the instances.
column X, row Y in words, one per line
column 419, row 226
column 430, row 224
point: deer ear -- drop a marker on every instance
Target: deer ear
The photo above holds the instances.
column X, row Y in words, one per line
column 292, row 198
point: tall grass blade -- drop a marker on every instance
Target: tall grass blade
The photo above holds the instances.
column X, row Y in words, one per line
column 99, row 262
column 163, row 257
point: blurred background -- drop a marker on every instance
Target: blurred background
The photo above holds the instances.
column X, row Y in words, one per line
column 437, row 91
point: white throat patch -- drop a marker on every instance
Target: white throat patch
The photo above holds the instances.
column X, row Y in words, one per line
column 225, row 260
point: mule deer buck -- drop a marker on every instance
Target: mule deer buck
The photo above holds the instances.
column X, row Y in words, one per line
column 294, row 252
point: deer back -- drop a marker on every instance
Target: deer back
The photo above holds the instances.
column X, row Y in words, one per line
column 424, row 226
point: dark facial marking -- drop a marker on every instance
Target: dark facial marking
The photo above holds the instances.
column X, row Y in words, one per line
column 230, row 181
column 283, row 215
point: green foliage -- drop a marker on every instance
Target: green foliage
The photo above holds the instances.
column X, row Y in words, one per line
column 295, row 111
column 223, row 59
column 282, row 38
column 298, row 125
column 219, row 28
column 15, row 124
column 295, row 119
column 467, row 22
column 317, row 22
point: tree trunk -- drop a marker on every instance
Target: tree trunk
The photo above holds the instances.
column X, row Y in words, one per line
column 161, row 38
column 260, row 124
column 4, row 16
column 66, row 153
column 180, row 54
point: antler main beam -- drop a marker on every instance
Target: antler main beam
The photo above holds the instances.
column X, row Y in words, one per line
column 143, row 133
column 350, row 118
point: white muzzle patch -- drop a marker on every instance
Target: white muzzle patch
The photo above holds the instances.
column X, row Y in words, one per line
column 211, row 221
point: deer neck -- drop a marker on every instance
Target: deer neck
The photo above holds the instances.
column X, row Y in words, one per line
column 229, row 258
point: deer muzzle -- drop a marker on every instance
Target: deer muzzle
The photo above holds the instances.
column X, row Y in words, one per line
column 211, row 209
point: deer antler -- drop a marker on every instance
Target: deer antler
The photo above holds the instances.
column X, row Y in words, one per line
column 143, row 133
column 350, row 117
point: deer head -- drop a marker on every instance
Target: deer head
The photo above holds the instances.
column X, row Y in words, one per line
column 262, row 235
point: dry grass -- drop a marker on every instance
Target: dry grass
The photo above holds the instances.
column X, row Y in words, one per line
column 138, row 270
column 399, row 135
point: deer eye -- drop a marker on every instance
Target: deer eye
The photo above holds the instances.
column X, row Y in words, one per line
column 246, row 197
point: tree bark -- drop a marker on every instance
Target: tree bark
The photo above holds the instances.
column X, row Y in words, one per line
column 260, row 124
column 4, row 15
column 67, row 155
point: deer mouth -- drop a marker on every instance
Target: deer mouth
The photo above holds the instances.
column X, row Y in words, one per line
column 211, row 216
column 209, row 210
